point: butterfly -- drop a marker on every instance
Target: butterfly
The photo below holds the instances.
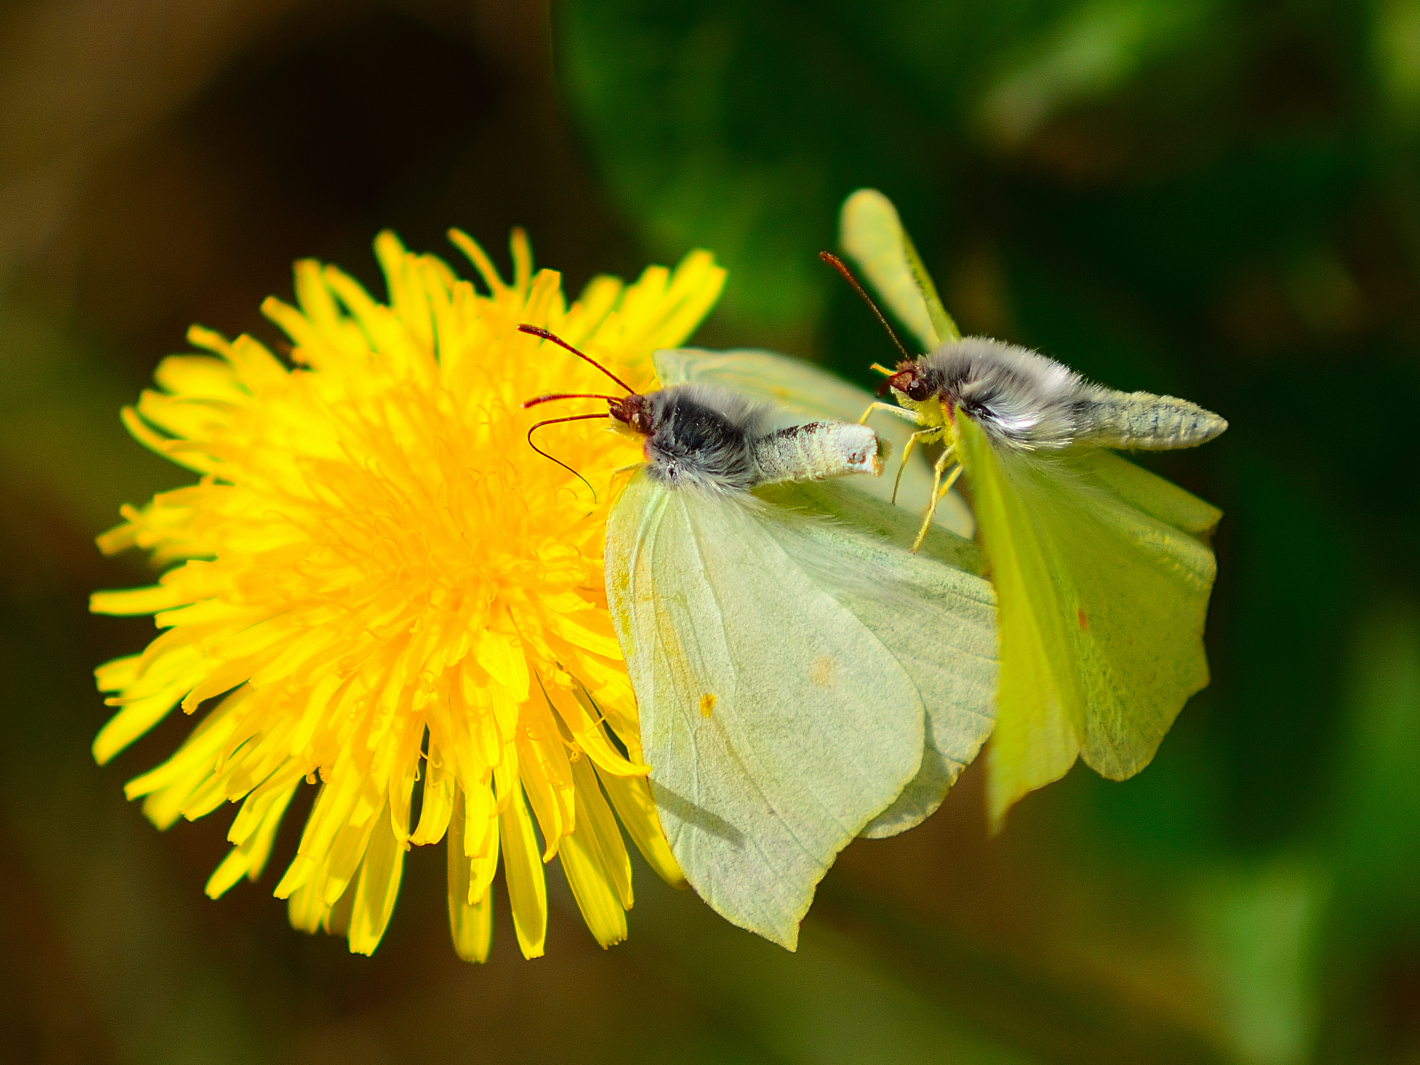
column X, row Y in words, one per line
column 772, row 624
column 1103, row 569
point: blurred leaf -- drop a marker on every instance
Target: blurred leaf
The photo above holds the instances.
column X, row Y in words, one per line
column 1260, row 932
column 1093, row 49
column 739, row 127
column 1396, row 54
column 59, row 425
column 1378, row 785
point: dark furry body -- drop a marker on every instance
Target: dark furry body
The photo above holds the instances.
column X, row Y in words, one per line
column 703, row 436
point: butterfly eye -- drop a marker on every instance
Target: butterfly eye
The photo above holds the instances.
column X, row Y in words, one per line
column 918, row 389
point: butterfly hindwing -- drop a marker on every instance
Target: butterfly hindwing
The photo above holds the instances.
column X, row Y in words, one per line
column 1143, row 585
column 1103, row 587
column 934, row 611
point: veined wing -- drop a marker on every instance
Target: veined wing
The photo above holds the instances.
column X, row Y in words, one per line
column 805, row 392
column 775, row 723
column 872, row 234
column 934, row 611
column 1104, row 586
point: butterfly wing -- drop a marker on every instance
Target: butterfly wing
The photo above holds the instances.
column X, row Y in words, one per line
column 931, row 620
column 1103, row 581
column 775, row 723
column 871, row 232
column 805, row 392
column 934, row 611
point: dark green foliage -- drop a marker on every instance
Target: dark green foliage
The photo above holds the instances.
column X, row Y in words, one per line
column 1210, row 198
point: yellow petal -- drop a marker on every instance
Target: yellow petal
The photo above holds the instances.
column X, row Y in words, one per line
column 632, row 798
column 134, row 601
column 249, row 857
column 377, row 888
column 470, row 917
column 502, row 656
column 586, row 875
column 527, row 888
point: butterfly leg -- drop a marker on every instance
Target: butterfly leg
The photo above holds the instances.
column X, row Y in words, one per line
column 890, row 408
column 911, row 443
column 951, row 480
column 938, row 490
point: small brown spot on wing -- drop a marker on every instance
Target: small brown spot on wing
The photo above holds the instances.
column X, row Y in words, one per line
column 821, row 673
column 1084, row 621
column 707, row 705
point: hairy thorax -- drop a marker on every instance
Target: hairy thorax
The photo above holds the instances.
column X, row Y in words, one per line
column 1025, row 400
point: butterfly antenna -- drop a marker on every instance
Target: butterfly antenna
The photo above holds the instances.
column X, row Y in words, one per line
column 842, row 267
column 544, row 454
column 567, row 395
column 537, row 331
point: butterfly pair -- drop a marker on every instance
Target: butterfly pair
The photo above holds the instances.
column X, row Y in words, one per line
column 810, row 666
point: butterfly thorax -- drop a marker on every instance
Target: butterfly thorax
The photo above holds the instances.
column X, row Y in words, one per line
column 1026, row 400
column 1018, row 397
column 699, row 436
column 712, row 439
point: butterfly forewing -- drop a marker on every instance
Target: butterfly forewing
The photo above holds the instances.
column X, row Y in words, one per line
column 776, row 725
column 871, row 232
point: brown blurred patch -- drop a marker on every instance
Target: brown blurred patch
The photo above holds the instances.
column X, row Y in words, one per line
column 45, row 1013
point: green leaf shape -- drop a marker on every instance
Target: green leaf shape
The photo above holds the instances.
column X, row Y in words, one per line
column 871, row 233
column 1090, row 51
column 1103, row 578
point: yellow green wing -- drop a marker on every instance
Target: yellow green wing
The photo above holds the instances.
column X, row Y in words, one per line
column 1103, row 580
column 777, row 725
column 871, row 232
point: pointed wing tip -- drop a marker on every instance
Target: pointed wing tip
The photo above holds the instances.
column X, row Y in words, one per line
column 781, row 929
column 865, row 197
column 788, row 938
column 999, row 801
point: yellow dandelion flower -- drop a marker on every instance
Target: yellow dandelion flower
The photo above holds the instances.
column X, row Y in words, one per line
column 393, row 598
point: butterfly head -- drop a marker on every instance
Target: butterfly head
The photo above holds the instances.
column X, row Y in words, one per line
column 910, row 381
column 634, row 412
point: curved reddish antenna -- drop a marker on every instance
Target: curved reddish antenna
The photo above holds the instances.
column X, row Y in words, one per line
column 567, row 395
column 538, row 331
column 544, row 454
column 842, row 267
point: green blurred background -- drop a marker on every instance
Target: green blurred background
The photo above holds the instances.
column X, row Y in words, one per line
column 1218, row 199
